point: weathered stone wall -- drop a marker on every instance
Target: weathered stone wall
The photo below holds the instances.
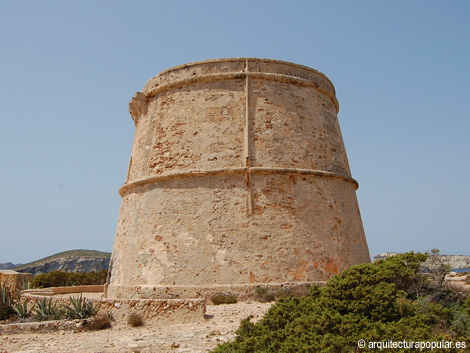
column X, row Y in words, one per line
column 64, row 290
column 238, row 177
column 40, row 327
column 152, row 312
column 14, row 280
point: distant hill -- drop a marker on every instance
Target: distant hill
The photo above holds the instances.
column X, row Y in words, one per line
column 454, row 261
column 68, row 261
column 7, row 265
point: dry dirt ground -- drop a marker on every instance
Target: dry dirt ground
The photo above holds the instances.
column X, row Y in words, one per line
column 220, row 324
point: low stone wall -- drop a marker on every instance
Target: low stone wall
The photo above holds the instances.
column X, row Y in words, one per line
column 155, row 311
column 65, row 290
column 241, row 292
column 41, row 327
column 152, row 311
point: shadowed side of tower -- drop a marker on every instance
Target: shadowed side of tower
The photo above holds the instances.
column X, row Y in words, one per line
column 238, row 178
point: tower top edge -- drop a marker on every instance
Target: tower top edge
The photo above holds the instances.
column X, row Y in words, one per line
column 237, row 65
column 243, row 60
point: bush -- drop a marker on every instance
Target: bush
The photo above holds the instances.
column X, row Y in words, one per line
column 385, row 300
column 264, row 295
column 223, row 298
column 99, row 322
column 135, row 319
column 64, row 279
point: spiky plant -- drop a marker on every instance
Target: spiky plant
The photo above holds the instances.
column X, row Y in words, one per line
column 21, row 308
column 6, row 301
column 45, row 310
column 25, row 284
column 80, row 308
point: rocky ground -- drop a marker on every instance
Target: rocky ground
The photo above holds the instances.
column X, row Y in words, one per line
column 219, row 325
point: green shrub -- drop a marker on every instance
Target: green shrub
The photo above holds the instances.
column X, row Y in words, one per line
column 51, row 279
column 284, row 293
column 64, row 279
column 263, row 294
column 385, row 300
column 466, row 305
column 223, row 298
column 460, row 323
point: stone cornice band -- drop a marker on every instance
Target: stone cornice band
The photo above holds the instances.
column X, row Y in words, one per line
column 151, row 92
column 226, row 171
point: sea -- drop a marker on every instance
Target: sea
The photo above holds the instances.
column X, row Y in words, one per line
column 461, row 269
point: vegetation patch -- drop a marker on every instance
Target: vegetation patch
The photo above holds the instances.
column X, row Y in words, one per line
column 386, row 300
column 6, row 303
column 265, row 295
column 45, row 310
column 15, row 309
column 64, row 279
column 80, row 308
column 135, row 319
column 99, row 322
column 223, row 298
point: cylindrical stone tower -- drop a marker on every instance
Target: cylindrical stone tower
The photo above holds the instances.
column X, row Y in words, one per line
column 238, row 178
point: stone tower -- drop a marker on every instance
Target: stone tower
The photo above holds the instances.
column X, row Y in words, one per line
column 238, row 178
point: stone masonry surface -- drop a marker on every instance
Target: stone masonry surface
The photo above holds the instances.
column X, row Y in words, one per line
column 14, row 280
column 238, row 178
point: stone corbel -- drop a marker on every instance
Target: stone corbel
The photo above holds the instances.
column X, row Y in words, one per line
column 138, row 106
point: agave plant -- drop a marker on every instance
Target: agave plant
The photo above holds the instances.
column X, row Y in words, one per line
column 80, row 308
column 21, row 308
column 6, row 301
column 45, row 310
column 25, row 284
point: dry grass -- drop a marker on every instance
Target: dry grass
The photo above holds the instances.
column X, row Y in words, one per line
column 99, row 322
column 135, row 319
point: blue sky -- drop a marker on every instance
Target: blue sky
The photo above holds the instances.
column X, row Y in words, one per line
column 68, row 69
